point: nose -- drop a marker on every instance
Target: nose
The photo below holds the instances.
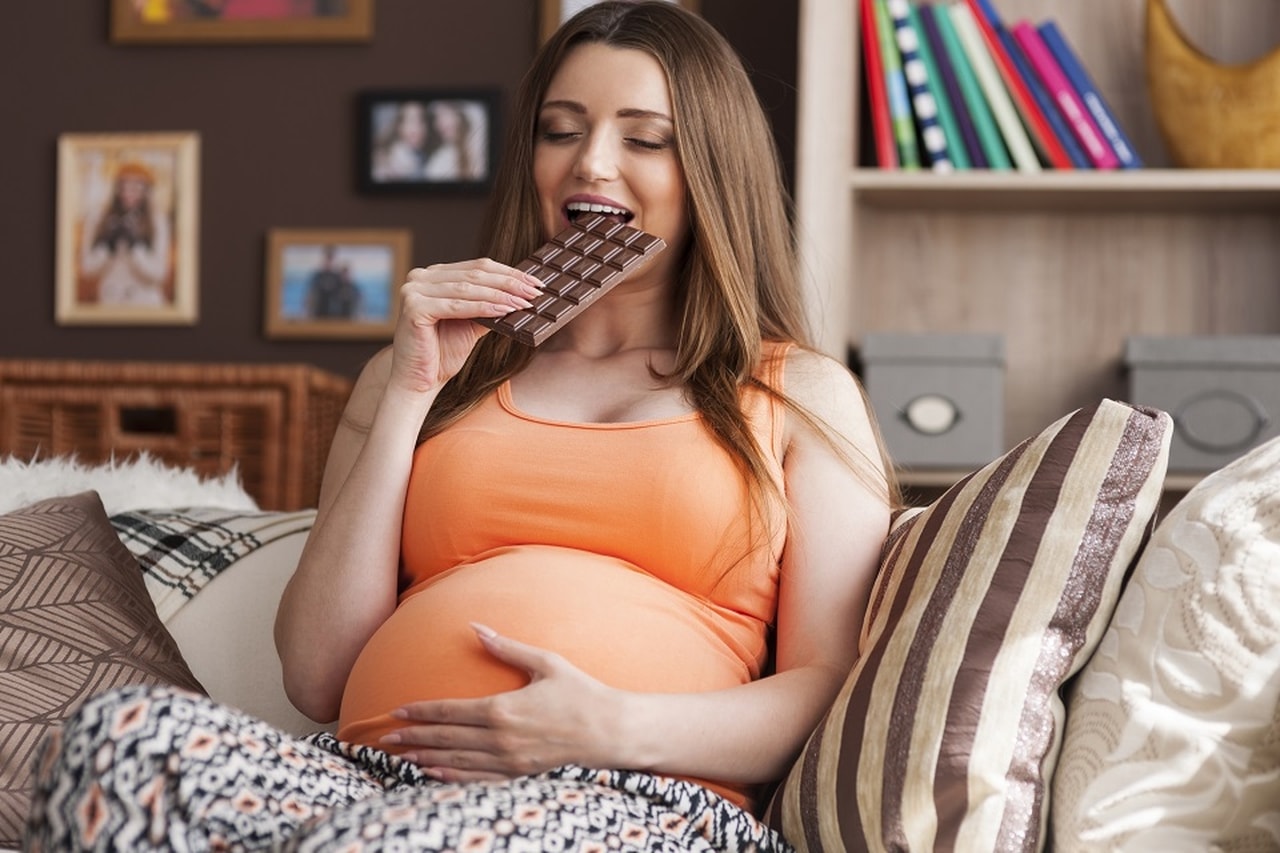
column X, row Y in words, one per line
column 597, row 158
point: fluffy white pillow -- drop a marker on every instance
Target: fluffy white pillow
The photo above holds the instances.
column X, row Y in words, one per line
column 1173, row 727
column 140, row 482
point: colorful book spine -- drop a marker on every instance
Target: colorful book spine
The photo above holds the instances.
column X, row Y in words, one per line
column 993, row 145
column 941, row 97
column 1065, row 95
column 904, row 126
column 933, row 139
column 951, row 82
column 1045, row 101
column 1035, row 122
column 1006, row 116
column 877, row 95
column 1083, row 83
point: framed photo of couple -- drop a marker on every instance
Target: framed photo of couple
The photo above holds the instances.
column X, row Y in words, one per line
column 426, row 140
column 334, row 283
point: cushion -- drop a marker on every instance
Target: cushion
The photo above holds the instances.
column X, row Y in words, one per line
column 182, row 550
column 138, row 481
column 1173, row 727
column 75, row 620
column 945, row 733
column 241, row 667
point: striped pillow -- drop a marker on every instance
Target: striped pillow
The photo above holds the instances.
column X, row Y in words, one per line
column 947, row 730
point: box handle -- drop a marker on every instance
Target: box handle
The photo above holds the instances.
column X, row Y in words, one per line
column 1184, row 420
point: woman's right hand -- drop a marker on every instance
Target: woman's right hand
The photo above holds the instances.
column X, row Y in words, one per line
column 435, row 333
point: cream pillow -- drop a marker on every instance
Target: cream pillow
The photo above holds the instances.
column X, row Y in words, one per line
column 946, row 731
column 1173, row 727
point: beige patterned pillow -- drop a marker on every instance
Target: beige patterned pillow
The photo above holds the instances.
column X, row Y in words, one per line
column 1173, row 728
column 945, row 734
column 75, row 619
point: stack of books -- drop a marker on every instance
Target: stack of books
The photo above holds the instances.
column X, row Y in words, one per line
column 950, row 87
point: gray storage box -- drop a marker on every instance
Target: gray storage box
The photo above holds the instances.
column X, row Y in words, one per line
column 939, row 398
column 1222, row 391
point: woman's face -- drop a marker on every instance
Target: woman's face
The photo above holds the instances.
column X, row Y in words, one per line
column 413, row 124
column 606, row 138
column 448, row 122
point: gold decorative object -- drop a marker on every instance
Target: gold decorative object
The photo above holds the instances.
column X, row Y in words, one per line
column 1211, row 115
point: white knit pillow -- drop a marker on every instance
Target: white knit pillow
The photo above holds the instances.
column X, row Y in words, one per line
column 1173, row 727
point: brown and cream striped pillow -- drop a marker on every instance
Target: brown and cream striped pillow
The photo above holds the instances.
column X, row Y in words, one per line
column 75, row 619
column 946, row 732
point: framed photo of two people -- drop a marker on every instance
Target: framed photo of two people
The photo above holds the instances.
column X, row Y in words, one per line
column 334, row 283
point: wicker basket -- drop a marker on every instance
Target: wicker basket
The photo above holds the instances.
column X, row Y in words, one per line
column 272, row 422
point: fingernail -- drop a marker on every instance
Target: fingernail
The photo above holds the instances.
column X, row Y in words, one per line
column 535, row 282
column 531, row 290
column 521, row 302
column 391, row 738
column 400, row 714
column 484, row 631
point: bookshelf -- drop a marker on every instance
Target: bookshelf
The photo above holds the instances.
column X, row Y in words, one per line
column 1064, row 264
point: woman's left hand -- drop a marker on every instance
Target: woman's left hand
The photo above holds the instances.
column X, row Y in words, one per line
column 563, row 716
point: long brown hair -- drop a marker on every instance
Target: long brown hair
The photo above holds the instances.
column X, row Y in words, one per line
column 738, row 284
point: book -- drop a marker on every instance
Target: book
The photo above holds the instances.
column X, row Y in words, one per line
column 941, row 97
column 993, row 144
column 886, row 149
column 904, row 126
column 984, row 69
column 972, row 145
column 1035, row 124
column 1065, row 95
column 933, row 139
column 1044, row 100
column 1093, row 100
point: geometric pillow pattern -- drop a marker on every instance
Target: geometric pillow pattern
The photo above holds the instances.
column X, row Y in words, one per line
column 946, row 732
column 75, row 620
column 1173, row 727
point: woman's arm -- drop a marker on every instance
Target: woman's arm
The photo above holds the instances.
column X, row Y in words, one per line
column 346, row 581
column 743, row 734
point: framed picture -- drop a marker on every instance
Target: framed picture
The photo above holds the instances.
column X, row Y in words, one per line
column 212, row 21
column 553, row 13
column 422, row 140
column 340, row 283
column 127, row 250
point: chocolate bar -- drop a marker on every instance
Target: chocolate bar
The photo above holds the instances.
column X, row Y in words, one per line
column 576, row 267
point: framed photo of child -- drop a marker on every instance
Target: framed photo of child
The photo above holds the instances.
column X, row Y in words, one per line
column 127, row 250
column 335, row 283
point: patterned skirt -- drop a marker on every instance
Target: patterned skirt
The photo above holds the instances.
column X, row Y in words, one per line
column 153, row 768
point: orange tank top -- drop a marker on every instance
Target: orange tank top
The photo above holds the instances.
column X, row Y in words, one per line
column 632, row 549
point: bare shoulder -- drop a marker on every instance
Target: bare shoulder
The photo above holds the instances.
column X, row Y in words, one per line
column 826, row 389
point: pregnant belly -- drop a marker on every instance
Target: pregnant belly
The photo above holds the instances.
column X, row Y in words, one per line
column 619, row 625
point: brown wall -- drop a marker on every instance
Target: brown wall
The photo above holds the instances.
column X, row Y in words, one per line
column 276, row 125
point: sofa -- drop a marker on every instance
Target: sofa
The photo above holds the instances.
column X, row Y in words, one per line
column 1047, row 663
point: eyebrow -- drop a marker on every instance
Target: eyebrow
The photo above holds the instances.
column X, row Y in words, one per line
column 626, row 112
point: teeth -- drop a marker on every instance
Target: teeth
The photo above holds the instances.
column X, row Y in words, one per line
column 595, row 208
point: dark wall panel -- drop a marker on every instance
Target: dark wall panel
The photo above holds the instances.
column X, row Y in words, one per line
column 277, row 132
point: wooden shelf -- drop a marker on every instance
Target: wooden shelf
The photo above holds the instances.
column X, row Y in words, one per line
column 1139, row 190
